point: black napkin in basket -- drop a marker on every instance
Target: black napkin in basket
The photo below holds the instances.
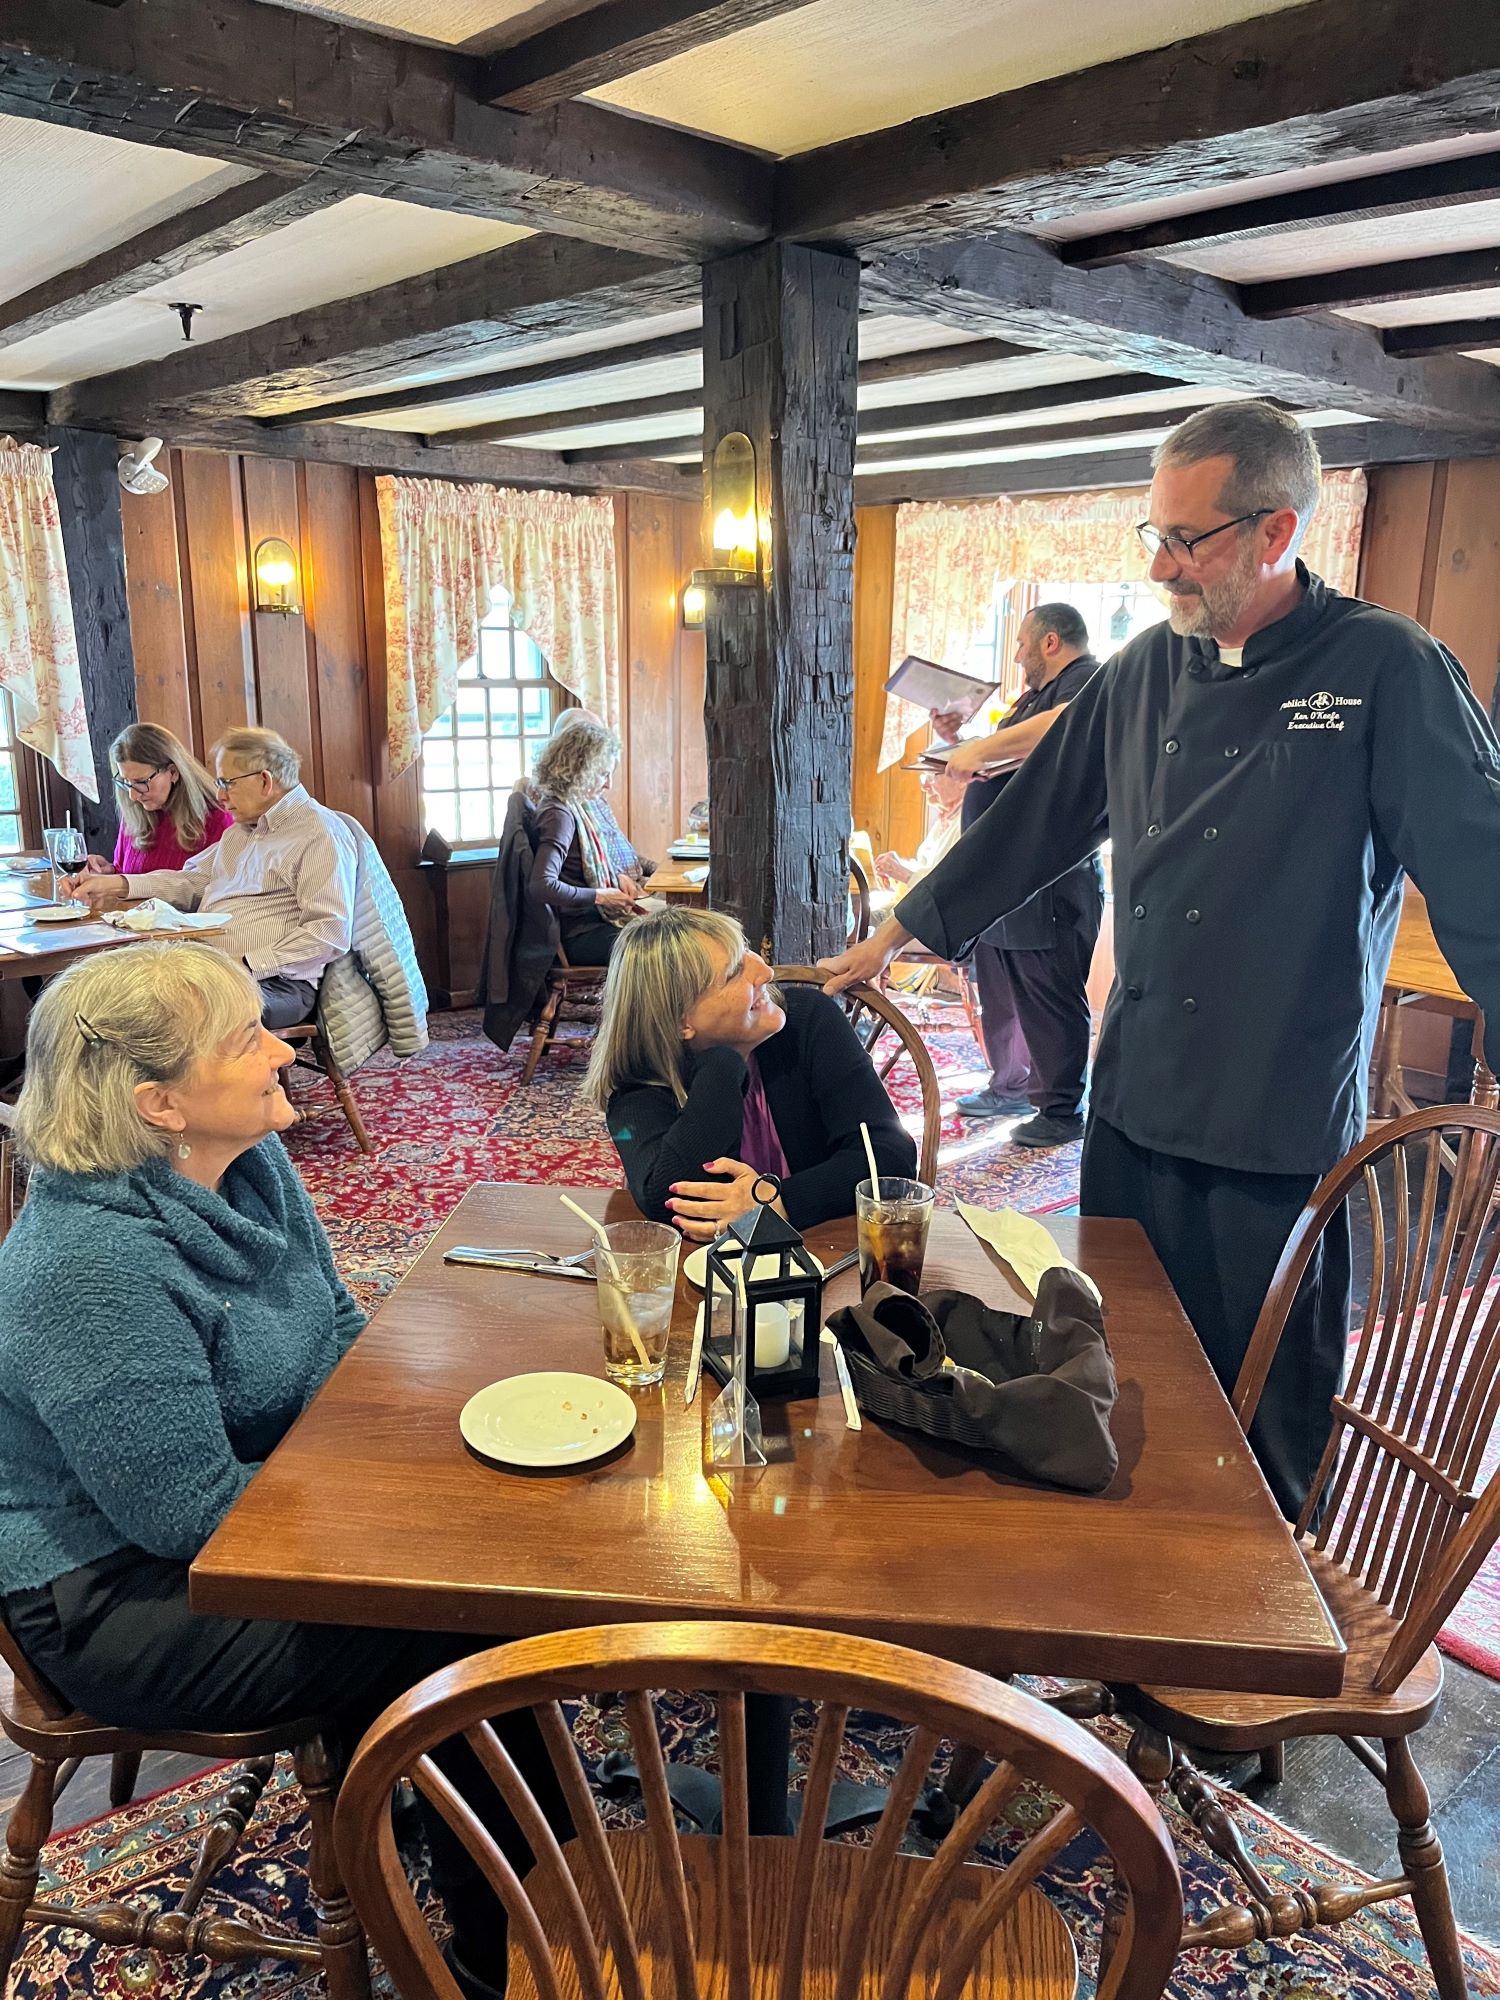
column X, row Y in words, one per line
column 1037, row 1391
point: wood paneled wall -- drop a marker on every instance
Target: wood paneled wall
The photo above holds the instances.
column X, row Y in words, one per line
column 1432, row 550
column 888, row 805
column 205, row 660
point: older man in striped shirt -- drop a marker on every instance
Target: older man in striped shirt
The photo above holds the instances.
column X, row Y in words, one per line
column 284, row 872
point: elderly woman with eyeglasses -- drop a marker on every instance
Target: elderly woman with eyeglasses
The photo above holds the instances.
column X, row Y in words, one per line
column 167, row 805
column 168, row 1307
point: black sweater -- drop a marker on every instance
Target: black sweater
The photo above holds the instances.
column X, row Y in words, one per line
column 819, row 1084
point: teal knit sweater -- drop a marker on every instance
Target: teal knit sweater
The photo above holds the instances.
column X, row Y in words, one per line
column 157, row 1339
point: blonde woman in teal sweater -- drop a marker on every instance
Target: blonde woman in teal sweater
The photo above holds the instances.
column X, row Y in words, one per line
column 168, row 1306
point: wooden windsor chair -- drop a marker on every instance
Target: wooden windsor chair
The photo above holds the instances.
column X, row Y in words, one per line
column 313, row 1052
column 564, row 984
column 57, row 1738
column 1399, row 1520
column 872, row 1016
column 728, row 1916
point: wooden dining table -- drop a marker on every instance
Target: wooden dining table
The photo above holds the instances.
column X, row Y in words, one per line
column 30, row 950
column 1419, row 973
column 372, row 1510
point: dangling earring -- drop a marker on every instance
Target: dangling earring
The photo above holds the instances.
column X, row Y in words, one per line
column 184, row 1150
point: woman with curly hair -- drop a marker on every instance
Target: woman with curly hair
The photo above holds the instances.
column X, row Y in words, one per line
column 585, row 868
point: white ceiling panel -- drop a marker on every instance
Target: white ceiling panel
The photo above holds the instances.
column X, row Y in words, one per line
column 839, row 67
column 576, row 392
column 1470, row 225
column 1427, row 312
column 352, row 247
column 1134, row 215
column 1145, row 439
column 1114, row 406
column 1027, row 371
column 475, row 24
column 894, row 334
column 70, row 195
column 680, row 423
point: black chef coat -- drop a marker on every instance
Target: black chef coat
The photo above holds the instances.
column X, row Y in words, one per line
column 1034, row 926
column 1261, row 818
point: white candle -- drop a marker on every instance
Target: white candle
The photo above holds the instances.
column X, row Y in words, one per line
column 773, row 1335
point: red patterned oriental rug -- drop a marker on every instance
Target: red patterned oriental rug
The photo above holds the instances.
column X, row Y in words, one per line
column 456, row 1114
column 145, row 1852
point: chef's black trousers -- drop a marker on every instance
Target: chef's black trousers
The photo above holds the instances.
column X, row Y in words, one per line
column 1220, row 1234
column 1034, row 1008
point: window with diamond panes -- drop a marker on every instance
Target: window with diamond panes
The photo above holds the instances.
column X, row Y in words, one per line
column 475, row 755
column 12, row 838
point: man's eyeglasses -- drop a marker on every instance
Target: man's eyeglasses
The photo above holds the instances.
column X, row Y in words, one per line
column 223, row 784
column 1181, row 547
column 138, row 787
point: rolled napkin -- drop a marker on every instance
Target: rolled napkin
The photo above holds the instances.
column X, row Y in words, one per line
column 152, row 914
column 1026, row 1246
column 1036, row 1392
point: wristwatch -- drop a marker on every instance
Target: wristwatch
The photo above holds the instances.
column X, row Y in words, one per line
column 770, row 1181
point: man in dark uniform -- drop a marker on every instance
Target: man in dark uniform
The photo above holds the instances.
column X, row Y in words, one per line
column 1266, row 764
column 1032, row 967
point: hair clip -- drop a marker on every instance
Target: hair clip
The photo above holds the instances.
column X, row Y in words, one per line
column 90, row 1033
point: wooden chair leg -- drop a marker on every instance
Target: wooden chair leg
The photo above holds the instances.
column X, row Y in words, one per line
column 1273, row 1763
column 543, row 1033
column 1150, row 1755
column 346, row 1964
column 124, row 1769
column 227, row 1827
column 1424, row 1866
column 25, row 1836
column 329, row 1065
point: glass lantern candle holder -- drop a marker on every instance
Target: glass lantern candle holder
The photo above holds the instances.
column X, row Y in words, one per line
column 776, row 1322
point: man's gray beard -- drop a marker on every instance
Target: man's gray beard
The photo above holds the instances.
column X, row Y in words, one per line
column 1219, row 607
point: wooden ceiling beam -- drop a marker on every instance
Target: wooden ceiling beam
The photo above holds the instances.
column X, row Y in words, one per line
column 1373, row 284
column 961, row 409
column 1443, row 336
column 399, row 452
column 613, row 454
column 662, row 347
column 169, row 249
column 23, row 414
column 611, row 41
column 1189, row 326
column 1329, row 81
column 961, row 444
column 1340, row 446
column 460, row 388
column 538, row 289
column 1371, row 198
column 290, row 92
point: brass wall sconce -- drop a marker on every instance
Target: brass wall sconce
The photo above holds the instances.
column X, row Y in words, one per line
column 276, row 577
column 740, row 536
column 694, row 605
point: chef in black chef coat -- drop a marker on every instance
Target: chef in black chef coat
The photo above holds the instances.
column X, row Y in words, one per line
column 1266, row 764
column 1032, row 968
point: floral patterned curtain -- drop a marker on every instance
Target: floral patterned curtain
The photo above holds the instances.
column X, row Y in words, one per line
column 38, row 649
column 447, row 547
column 951, row 562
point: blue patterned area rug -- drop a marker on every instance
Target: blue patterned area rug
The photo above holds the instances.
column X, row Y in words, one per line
column 145, row 1852
column 457, row 1114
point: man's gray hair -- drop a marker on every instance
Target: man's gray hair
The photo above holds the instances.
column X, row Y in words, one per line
column 261, row 750
column 1274, row 461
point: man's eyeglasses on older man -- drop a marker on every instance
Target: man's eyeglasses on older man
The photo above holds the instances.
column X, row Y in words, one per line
column 1181, row 547
column 223, row 784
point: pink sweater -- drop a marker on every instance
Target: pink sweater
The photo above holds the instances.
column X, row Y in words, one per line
column 166, row 851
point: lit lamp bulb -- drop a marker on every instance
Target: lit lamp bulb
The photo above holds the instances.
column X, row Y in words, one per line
column 694, row 604
column 275, row 576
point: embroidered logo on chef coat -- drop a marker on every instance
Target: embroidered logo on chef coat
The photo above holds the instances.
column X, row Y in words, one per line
column 1320, row 711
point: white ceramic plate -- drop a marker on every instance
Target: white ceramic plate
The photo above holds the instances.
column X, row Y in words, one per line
column 60, row 913
column 695, row 1266
column 551, row 1419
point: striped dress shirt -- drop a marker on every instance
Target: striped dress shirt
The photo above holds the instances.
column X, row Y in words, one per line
column 287, row 880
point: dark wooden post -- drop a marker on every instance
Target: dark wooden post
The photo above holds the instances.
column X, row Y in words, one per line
column 780, row 362
column 88, row 503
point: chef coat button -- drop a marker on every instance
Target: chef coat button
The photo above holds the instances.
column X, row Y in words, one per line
column 1152, row 831
column 1231, row 749
column 1134, row 992
column 1171, row 746
column 1189, row 1006
column 1210, row 833
column 1139, row 910
column 1193, row 917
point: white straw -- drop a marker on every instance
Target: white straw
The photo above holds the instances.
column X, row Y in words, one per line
column 616, row 1278
column 864, row 1133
